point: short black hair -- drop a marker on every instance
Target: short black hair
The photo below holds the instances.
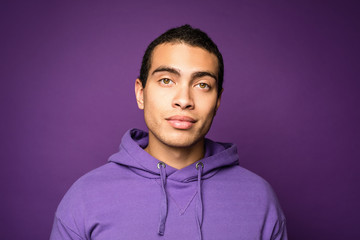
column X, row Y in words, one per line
column 188, row 35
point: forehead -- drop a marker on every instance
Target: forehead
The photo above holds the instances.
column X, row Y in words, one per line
column 183, row 57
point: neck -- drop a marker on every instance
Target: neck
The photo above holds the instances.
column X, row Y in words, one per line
column 176, row 157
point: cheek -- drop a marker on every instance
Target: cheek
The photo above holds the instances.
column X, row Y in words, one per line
column 207, row 107
column 158, row 98
column 155, row 105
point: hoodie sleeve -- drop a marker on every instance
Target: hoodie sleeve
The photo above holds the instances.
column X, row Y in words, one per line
column 61, row 232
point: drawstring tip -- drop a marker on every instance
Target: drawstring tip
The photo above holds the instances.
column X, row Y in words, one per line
column 161, row 230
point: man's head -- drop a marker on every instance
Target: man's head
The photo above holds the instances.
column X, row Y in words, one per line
column 182, row 92
column 187, row 35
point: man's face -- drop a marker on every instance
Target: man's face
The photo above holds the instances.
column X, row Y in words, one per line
column 180, row 97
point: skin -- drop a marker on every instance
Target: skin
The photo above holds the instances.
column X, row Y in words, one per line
column 181, row 84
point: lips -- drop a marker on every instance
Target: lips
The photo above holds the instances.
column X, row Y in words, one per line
column 181, row 122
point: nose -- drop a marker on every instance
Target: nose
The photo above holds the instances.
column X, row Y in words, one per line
column 183, row 99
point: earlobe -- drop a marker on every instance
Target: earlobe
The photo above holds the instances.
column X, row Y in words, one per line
column 139, row 93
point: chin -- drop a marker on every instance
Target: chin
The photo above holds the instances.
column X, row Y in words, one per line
column 179, row 144
column 182, row 140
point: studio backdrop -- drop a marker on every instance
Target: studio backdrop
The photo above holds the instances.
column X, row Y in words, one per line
column 290, row 101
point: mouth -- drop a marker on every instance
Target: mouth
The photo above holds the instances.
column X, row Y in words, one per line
column 181, row 122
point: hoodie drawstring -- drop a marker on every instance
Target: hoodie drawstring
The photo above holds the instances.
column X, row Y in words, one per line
column 199, row 205
column 164, row 203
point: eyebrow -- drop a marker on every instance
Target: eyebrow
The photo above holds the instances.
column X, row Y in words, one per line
column 177, row 72
column 203, row 74
column 166, row 69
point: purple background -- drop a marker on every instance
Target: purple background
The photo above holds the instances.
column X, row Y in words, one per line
column 291, row 100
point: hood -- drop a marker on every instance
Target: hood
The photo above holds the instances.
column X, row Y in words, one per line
column 132, row 155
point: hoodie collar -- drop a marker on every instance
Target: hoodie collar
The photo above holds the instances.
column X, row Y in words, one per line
column 133, row 155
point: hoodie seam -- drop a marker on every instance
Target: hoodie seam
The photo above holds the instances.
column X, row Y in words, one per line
column 181, row 210
column 67, row 227
column 188, row 204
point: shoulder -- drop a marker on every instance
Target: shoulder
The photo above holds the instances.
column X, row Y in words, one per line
column 243, row 177
column 90, row 186
column 104, row 174
column 240, row 183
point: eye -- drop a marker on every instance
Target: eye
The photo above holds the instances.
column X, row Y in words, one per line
column 165, row 81
column 203, row 85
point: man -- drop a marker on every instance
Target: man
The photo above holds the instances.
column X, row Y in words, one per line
column 172, row 182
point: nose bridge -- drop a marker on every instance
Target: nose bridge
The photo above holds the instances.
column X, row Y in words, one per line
column 183, row 97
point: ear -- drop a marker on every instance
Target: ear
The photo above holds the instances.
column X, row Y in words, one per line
column 139, row 93
column 218, row 100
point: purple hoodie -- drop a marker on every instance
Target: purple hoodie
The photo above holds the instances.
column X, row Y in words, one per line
column 136, row 197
